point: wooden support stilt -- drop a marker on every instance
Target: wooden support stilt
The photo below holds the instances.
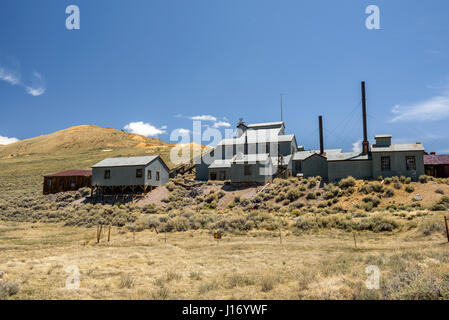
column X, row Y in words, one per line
column 109, row 234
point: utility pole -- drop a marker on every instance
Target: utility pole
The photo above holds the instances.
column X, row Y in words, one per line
column 281, row 110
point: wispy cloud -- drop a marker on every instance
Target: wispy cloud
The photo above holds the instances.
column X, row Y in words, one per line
column 34, row 86
column 205, row 117
column 219, row 124
column 6, row 140
column 356, row 146
column 144, row 129
column 433, row 109
column 9, row 76
column 37, row 86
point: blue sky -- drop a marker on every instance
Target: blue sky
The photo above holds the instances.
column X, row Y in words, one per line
column 161, row 62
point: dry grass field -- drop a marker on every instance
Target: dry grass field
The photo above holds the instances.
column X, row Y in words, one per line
column 397, row 223
column 191, row 265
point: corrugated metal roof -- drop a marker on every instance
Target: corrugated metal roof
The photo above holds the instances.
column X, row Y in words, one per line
column 260, row 157
column 382, row 136
column 347, row 156
column 302, row 155
column 266, row 124
column 125, row 161
column 259, row 136
column 71, row 173
column 220, row 164
column 436, row 159
column 399, row 147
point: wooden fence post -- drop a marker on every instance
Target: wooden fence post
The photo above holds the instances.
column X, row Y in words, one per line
column 447, row 229
column 109, row 233
column 355, row 241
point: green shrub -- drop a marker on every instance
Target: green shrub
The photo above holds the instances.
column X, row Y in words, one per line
column 423, row 179
column 439, row 190
column 347, row 183
column 8, row 289
column 389, row 193
column 409, row 188
column 293, row 195
column 311, row 196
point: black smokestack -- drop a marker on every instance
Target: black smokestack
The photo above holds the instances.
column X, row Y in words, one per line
column 320, row 123
column 365, row 143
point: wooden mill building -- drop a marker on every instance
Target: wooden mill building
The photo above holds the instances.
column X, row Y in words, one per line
column 67, row 181
column 129, row 174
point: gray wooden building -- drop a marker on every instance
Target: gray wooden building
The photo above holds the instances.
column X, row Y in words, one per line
column 129, row 174
column 257, row 154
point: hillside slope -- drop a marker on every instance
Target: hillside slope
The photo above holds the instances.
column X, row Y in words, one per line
column 22, row 164
column 81, row 139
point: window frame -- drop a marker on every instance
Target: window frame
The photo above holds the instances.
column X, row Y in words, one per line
column 149, row 175
column 139, row 173
column 247, row 170
column 407, row 158
column 158, row 176
column 385, row 168
column 107, row 174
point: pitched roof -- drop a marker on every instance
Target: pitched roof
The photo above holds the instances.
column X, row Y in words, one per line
column 399, row 147
column 436, row 159
column 250, row 158
column 220, row 164
column 125, row 161
column 347, row 156
column 259, row 136
column 266, row 124
column 71, row 173
column 303, row 155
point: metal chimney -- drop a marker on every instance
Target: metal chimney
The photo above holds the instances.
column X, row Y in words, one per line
column 320, row 123
column 365, row 143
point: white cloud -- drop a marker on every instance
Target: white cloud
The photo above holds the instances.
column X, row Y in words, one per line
column 37, row 87
column 9, row 76
column 433, row 109
column 144, row 129
column 6, row 140
column 183, row 131
column 219, row 124
column 356, row 146
column 204, row 118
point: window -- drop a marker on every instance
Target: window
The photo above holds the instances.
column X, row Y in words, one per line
column 73, row 184
column 213, row 176
column 149, row 174
column 267, row 148
column 298, row 166
column 107, row 174
column 410, row 163
column 222, row 175
column 247, row 170
column 139, row 173
column 385, row 163
column 157, row 176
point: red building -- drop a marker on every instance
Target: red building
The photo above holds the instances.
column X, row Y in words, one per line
column 437, row 165
column 67, row 181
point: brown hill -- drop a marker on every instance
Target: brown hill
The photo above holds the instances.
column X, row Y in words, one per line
column 75, row 148
column 82, row 139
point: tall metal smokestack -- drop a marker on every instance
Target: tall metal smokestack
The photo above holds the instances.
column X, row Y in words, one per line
column 320, row 123
column 365, row 143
